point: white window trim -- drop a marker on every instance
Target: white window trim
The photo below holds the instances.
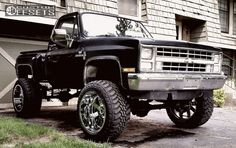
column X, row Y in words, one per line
column 179, row 23
column 139, row 12
column 44, row 2
column 231, row 17
column 233, row 36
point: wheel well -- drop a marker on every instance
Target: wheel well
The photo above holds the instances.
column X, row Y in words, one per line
column 23, row 71
column 103, row 70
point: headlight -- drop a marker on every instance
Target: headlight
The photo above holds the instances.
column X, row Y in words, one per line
column 146, row 53
column 146, row 66
column 217, row 58
column 217, row 63
column 216, row 69
column 209, row 68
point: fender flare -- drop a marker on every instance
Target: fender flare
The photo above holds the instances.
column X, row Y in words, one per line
column 23, row 65
column 104, row 58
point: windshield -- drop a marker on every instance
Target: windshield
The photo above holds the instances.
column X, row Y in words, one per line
column 96, row 25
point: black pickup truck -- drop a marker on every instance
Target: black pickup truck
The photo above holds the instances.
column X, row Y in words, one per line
column 114, row 67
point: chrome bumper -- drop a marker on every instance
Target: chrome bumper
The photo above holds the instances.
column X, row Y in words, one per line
column 166, row 82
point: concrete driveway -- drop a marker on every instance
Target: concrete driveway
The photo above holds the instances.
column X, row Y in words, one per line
column 155, row 130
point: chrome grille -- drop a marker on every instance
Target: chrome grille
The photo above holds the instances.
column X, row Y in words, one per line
column 183, row 59
column 184, row 67
column 184, row 53
column 180, row 59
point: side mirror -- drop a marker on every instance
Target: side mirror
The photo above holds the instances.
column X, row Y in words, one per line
column 60, row 34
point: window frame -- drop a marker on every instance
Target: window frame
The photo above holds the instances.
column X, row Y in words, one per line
column 233, row 13
column 109, row 15
column 63, row 3
column 179, row 33
column 139, row 11
column 226, row 19
column 59, row 22
column 230, row 33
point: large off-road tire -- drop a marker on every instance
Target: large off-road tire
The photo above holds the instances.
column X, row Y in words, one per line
column 193, row 113
column 102, row 111
column 26, row 98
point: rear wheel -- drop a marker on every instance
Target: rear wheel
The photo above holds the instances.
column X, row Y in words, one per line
column 26, row 98
column 103, row 112
column 192, row 113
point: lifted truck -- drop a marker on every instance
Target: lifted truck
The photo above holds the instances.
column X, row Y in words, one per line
column 114, row 67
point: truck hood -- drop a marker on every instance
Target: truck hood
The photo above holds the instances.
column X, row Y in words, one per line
column 145, row 41
column 176, row 44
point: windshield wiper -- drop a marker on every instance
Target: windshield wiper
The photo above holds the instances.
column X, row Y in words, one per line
column 106, row 35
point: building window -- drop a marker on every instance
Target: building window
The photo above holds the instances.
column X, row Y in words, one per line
column 227, row 66
column 224, row 15
column 234, row 18
column 183, row 31
column 63, row 3
column 129, row 7
column 190, row 29
column 227, row 14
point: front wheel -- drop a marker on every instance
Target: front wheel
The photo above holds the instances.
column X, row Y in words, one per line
column 102, row 111
column 192, row 113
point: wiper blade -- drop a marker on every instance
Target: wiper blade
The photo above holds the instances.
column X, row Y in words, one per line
column 106, row 35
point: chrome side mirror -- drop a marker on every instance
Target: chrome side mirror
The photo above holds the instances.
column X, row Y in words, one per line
column 60, row 34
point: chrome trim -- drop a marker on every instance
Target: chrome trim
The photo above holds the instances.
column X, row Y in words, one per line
column 170, row 81
column 92, row 112
column 18, row 98
column 159, row 60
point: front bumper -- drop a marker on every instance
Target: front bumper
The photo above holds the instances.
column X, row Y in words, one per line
column 167, row 81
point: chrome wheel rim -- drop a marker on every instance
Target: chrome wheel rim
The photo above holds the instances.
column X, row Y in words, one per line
column 18, row 98
column 92, row 112
column 185, row 111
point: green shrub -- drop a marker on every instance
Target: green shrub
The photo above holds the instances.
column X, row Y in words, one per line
column 219, row 97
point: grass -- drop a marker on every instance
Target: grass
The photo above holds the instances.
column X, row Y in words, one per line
column 16, row 129
column 63, row 142
column 20, row 134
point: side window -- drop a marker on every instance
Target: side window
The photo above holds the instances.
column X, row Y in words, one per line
column 70, row 25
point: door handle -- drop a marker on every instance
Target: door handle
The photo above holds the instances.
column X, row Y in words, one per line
column 81, row 54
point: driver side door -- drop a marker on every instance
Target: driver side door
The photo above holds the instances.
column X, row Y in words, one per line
column 64, row 68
